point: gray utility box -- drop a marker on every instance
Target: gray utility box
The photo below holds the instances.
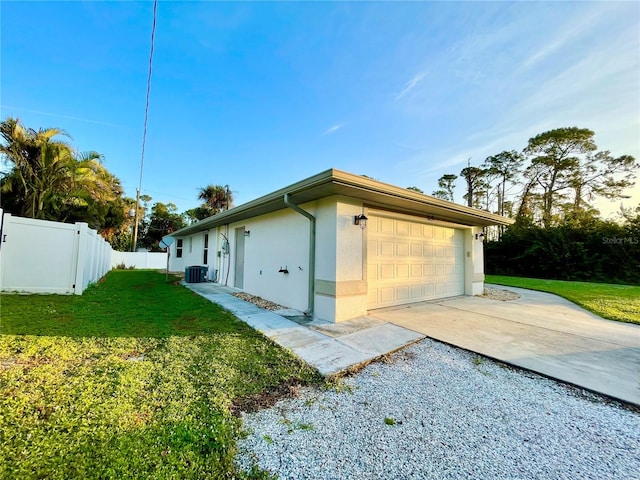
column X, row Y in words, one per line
column 195, row 274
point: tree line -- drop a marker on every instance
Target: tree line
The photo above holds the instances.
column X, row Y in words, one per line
column 554, row 179
column 550, row 188
column 44, row 177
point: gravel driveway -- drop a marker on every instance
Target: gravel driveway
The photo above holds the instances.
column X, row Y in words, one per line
column 435, row 411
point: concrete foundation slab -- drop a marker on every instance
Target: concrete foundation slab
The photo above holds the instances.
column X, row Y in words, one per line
column 295, row 338
column 331, row 356
column 380, row 339
column 345, row 328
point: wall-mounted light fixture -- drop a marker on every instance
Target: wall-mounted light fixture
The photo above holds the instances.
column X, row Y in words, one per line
column 361, row 220
column 247, row 233
column 479, row 236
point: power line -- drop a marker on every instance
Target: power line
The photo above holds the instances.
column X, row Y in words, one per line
column 146, row 109
column 144, row 131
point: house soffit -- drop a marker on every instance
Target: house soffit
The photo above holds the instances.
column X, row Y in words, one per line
column 372, row 193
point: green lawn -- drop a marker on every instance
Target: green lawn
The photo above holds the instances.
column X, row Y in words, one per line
column 615, row 302
column 134, row 379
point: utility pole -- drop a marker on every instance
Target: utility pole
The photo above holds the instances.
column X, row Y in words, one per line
column 135, row 225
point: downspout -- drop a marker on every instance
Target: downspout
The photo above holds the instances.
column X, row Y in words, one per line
column 312, row 251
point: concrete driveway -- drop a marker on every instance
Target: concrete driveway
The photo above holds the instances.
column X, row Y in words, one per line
column 540, row 332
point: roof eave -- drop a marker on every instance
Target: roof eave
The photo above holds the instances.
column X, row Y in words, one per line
column 386, row 189
column 333, row 182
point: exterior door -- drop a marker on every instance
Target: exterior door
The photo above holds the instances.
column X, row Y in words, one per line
column 410, row 260
column 239, row 263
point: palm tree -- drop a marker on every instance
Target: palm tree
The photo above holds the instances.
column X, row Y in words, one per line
column 216, row 198
column 47, row 179
column 97, row 197
column 41, row 168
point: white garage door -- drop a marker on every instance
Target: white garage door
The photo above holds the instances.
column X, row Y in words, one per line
column 411, row 261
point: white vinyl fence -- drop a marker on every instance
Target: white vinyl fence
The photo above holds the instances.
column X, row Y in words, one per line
column 153, row 260
column 39, row 256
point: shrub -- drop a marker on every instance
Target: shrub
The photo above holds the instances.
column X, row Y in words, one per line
column 598, row 251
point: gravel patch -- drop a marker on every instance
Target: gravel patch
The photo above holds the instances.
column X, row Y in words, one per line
column 435, row 411
column 500, row 294
column 258, row 301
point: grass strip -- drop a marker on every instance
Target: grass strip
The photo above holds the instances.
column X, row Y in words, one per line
column 134, row 379
column 611, row 301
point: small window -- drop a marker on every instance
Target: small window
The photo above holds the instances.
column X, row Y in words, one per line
column 179, row 248
column 205, row 258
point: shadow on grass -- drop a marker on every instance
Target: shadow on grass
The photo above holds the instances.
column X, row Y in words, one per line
column 138, row 304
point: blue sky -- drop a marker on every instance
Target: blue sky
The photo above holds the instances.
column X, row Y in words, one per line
column 261, row 95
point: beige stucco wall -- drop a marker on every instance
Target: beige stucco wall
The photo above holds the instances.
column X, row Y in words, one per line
column 192, row 249
column 277, row 240
column 341, row 287
column 473, row 262
column 281, row 239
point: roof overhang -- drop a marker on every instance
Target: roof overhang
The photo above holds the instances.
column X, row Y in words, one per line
column 371, row 192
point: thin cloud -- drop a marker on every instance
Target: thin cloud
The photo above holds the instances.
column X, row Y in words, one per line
column 331, row 130
column 411, row 84
column 607, row 79
column 410, row 147
column 69, row 117
column 573, row 31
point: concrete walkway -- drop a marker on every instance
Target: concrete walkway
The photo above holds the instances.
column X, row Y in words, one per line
column 330, row 348
column 540, row 332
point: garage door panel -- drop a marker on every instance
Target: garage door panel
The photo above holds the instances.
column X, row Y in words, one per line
column 416, row 271
column 416, row 292
column 372, row 273
column 412, row 261
column 386, row 225
column 386, row 294
column 451, row 289
column 402, row 249
column 402, row 271
column 387, row 271
column 385, row 248
column 427, row 231
column 402, row 229
column 402, row 293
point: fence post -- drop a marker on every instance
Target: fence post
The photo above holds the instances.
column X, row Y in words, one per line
column 81, row 257
column 2, row 234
